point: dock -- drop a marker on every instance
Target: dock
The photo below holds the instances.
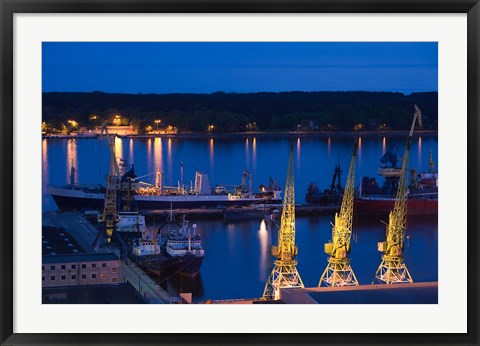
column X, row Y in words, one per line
column 211, row 213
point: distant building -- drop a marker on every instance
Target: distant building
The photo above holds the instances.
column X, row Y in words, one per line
column 80, row 269
column 121, row 130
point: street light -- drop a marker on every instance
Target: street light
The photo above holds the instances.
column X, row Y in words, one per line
column 157, row 122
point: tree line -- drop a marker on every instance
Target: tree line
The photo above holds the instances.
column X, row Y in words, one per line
column 233, row 112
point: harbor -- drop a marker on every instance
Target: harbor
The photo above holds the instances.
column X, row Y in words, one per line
column 240, row 173
column 228, row 232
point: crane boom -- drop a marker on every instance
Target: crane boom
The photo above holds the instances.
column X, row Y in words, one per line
column 338, row 271
column 109, row 215
column 392, row 269
column 285, row 273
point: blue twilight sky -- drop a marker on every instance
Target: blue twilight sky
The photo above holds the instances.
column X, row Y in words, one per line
column 205, row 67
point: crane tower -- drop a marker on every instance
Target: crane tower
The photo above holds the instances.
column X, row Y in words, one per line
column 285, row 273
column 109, row 215
column 392, row 269
column 338, row 271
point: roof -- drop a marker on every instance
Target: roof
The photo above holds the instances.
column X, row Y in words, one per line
column 75, row 258
column 415, row 293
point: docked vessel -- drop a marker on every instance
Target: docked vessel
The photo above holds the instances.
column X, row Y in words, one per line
column 331, row 196
column 179, row 251
column 146, row 196
column 184, row 249
column 422, row 190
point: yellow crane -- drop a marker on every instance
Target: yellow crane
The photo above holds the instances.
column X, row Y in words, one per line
column 285, row 273
column 339, row 271
column 392, row 269
column 110, row 215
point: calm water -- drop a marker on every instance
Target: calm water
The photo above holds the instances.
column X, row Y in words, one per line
column 237, row 260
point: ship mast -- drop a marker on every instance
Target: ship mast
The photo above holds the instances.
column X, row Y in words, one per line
column 338, row 271
column 285, row 273
column 392, row 269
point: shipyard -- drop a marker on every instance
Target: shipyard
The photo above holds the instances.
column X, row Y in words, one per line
column 317, row 196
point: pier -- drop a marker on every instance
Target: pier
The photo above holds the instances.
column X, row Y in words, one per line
column 205, row 214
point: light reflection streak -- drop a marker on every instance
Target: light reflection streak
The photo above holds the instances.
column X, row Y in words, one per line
column 329, row 147
column 119, row 150
column 149, row 156
column 169, row 156
column 298, row 152
column 359, row 152
column 211, row 149
column 157, row 154
column 130, row 152
column 231, row 237
column 384, row 145
column 247, row 154
column 45, row 162
column 72, row 160
column 254, row 154
column 263, row 238
column 420, row 154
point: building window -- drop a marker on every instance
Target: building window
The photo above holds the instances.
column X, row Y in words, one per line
column 63, row 277
column 94, row 276
column 73, row 277
column 43, row 277
column 84, row 276
column 64, row 266
column 74, row 266
column 104, row 265
column 94, row 265
column 52, row 278
column 84, row 266
column 104, row 275
column 52, row 267
column 43, row 267
column 114, row 270
column 114, row 279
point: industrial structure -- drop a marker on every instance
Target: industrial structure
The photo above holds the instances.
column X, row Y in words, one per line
column 285, row 273
column 339, row 271
column 392, row 269
column 109, row 215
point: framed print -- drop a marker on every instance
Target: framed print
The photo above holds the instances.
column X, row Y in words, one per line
column 239, row 172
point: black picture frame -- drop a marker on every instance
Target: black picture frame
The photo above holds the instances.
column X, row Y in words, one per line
column 10, row 7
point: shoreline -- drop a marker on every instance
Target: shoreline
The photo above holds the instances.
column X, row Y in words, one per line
column 288, row 134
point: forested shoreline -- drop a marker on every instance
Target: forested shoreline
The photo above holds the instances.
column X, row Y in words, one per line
column 238, row 112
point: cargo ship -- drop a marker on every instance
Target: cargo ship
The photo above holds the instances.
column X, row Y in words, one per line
column 145, row 196
column 422, row 190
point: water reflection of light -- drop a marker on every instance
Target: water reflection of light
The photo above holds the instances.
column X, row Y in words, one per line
column 72, row 160
column 329, row 147
column 254, row 153
column 118, row 149
column 169, row 155
column 157, row 154
column 211, row 149
column 298, row 152
column 231, row 237
column 419, row 153
column 359, row 151
column 247, row 154
column 130, row 152
column 45, row 162
column 384, row 145
column 263, row 238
